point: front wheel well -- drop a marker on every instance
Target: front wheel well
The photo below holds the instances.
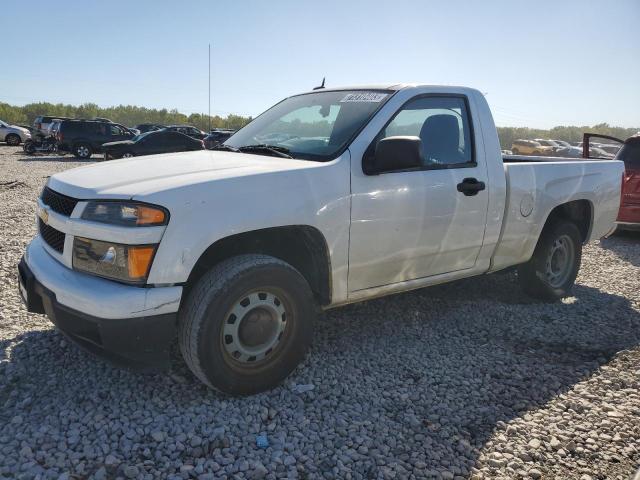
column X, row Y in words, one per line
column 579, row 212
column 301, row 246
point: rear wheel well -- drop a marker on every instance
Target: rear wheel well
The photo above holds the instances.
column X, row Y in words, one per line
column 579, row 212
column 301, row 246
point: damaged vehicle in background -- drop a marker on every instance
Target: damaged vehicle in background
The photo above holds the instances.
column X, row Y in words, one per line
column 629, row 153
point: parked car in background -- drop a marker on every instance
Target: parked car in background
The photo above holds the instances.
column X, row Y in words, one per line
column 86, row 137
column 42, row 123
column 562, row 143
column 548, row 143
column 32, row 130
column 597, row 152
column 610, row 148
column 629, row 215
column 13, row 134
column 151, row 143
column 506, row 152
column 149, row 127
column 629, row 153
column 102, row 119
column 217, row 136
column 530, row 147
column 569, row 152
column 187, row 130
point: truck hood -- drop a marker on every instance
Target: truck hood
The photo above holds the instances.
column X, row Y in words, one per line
column 140, row 176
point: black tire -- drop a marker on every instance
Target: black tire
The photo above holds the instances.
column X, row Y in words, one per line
column 515, row 151
column 13, row 139
column 82, row 150
column 29, row 147
column 207, row 314
column 537, row 276
column 127, row 155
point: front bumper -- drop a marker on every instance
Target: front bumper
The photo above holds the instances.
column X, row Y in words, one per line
column 141, row 339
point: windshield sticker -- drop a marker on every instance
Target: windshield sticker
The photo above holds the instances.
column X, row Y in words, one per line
column 373, row 97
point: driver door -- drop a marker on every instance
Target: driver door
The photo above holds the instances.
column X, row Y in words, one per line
column 408, row 225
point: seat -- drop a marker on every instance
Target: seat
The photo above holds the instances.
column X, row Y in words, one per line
column 440, row 135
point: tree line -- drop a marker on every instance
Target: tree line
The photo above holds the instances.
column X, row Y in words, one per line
column 567, row 133
column 128, row 115
column 131, row 115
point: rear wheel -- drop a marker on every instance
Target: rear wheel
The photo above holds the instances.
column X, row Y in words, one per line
column 247, row 324
column 553, row 268
column 12, row 139
column 515, row 151
column 82, row 150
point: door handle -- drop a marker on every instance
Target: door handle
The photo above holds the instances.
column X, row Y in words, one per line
column 470, row 186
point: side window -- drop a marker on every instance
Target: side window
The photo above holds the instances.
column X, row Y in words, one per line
column 116, row 131
column 100, row 128
column 442, row 123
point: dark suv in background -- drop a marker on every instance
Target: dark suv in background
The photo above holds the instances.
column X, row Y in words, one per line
column 217, row 136
column 193, row 132
column 85, row 137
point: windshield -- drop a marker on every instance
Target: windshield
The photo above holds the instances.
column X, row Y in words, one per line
column 3, row 124
column 313, row 126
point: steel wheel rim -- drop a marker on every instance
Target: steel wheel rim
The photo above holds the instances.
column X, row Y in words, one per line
column 254, row 328
column 559, row 262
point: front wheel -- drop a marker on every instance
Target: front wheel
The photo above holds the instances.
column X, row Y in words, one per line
column 247, row 324
column 29, row 147
column 553, row 268
column 12, row 139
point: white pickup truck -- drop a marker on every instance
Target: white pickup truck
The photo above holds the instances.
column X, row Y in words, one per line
column 329, row 197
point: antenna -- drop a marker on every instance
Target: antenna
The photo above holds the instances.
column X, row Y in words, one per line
column 209, row 87
column 321, row 86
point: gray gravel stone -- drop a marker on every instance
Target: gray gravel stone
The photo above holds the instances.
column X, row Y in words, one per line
column 468, row 380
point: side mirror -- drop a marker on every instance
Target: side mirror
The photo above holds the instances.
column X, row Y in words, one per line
column 396, row 153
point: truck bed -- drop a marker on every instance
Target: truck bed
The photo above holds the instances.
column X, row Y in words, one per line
column 534, row 185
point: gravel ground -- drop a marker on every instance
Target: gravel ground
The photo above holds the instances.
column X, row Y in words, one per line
column 471, row 379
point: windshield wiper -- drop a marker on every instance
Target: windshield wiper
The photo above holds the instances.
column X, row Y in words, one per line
column 222, row 146
column 263, row 147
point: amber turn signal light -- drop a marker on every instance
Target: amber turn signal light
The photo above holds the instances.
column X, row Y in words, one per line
column 139, row 261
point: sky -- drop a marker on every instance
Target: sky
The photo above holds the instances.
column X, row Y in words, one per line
column 539, row 63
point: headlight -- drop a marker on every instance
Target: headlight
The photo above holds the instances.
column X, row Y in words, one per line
column 125, row 214
column 125, row 263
